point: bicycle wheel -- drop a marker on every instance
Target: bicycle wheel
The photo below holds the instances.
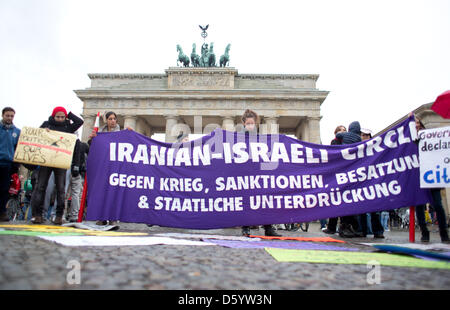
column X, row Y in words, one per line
column 13, row 209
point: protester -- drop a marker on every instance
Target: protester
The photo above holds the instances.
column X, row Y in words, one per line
column 9, row 136
column 332, row 222
column 437, row 205
column 58, row 121
column 384, row 218
column 336, row 140
column 374, row 217
column 75, row 184
column 111, row 126
column 349, row 224
column 250, row 121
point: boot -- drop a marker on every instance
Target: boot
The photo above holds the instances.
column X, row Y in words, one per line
column 37, row 219
column 425, row 235
column 58, row 220
column 270, row 231
column 329, row 231
column 345, row 231
column 444, row 236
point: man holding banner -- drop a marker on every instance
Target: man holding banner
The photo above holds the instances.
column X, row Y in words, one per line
column 9, row 136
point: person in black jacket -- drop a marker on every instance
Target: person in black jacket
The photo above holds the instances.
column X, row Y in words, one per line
column 332, row 222
column 59, row 121
column 349, row 224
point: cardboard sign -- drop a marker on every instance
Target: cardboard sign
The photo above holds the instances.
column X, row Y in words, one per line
column 434, row 156
column 40, row 147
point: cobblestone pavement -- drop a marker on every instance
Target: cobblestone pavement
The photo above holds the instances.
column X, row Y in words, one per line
column 31, row 263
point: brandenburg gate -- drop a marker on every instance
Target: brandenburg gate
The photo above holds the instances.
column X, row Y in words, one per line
column 200, row 99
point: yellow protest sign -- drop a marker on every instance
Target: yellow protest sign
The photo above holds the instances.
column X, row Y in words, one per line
column 37, row 146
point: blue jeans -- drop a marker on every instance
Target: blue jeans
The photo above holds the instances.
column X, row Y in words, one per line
column 385, row 220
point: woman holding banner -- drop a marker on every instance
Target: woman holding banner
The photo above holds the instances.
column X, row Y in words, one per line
column 437, row 205
column 250, row 121
column 110, row 126
column 58, row 121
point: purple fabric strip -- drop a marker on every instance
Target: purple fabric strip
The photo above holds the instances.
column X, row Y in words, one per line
column 277, row 244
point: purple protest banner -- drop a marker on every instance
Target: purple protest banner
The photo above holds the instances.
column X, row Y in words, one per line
column 229, row 179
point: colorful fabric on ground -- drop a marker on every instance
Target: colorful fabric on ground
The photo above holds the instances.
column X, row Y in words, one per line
column 49, row 229
column 277, row 244
column 119, row 241
column 364, row 258
column 406, row 250
column 206, row 236
column 313, row 239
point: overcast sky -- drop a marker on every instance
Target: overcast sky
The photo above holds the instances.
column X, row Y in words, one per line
column 379, row 59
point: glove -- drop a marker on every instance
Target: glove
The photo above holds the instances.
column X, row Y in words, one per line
column 75, row 171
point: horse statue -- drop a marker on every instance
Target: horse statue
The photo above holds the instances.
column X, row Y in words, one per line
column 182, row 57
column 195, row 58
column 225, row 58
column 212, row 56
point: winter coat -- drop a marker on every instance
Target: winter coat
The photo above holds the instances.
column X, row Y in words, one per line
column 352, row 136
column 66, row 126
column 9, row 136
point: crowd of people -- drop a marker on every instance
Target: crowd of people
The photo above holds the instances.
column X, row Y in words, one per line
column 377, row 222
column 46, row 181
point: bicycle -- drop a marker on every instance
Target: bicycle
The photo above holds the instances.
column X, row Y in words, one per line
column 13, row 209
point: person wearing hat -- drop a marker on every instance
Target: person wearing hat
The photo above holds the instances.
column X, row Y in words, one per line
column 366, row 134
column 62, row 121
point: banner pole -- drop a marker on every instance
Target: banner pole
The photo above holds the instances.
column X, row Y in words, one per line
column 412, row 225
column 84, row 194
column 83, row 201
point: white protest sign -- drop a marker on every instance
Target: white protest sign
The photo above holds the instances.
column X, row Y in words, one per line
column 434, row 156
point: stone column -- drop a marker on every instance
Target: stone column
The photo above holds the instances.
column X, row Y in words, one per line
column 171, row 127
column 314, row 130
column 271, row 126
column 88, row 126
column 301, row 131
column 228, row 123
column 143, row 127
column 130, row 121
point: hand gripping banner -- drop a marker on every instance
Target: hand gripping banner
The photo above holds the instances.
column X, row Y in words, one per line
column 229, row 179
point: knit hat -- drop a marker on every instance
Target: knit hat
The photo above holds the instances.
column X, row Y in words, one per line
column 59, row 109
column 366, row 131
